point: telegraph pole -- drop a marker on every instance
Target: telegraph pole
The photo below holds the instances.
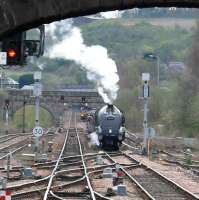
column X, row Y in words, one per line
column 145, row 79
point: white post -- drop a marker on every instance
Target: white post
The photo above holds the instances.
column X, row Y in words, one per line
column 3, row 61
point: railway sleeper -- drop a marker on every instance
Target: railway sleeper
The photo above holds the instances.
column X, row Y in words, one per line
column 67, row 178
column 72, row 194
column 169, row 196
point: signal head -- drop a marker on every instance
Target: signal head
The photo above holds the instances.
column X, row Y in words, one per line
column 11, row 53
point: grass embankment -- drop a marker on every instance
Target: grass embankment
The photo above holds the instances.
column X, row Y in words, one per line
column 46, row 119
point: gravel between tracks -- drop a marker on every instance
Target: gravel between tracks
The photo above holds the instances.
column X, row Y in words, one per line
column 176, row 174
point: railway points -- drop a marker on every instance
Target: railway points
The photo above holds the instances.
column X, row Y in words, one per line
column 74, row 170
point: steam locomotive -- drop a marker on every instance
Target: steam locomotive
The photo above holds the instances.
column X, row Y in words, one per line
column 110, row 126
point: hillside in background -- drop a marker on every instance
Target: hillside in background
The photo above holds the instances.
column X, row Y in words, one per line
column 169, row 111
column 127, row 41
column 124, row 43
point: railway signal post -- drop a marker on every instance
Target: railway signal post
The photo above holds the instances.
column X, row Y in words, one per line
column 7, row 115
column 8, row 166
column 145, row 79
column 37, row 92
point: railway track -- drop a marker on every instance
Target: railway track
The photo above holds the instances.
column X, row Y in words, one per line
column 75, row 175
column 154, row 185
column 192, row 169
column 7, row 138
column 72, row 143
column 79, row 184
column 15, row 143
column 33, row 189
column 11, row 145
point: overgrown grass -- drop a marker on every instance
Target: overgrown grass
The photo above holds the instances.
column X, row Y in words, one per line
column 46, row 119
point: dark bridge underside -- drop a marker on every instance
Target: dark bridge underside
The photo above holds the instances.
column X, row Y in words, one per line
column 24, row 14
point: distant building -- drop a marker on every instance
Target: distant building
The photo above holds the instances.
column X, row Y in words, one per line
column 27, row 87
column 176, row 66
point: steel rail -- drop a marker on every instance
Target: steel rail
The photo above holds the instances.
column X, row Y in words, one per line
column 88, row 155
column 14, row 134
column 58, row 197
column 180, row 159
column 81, row 168
column 131, row 147
column 14, row 151
column 68, row 184
column 84, row 165
column 142, row 189
column 28, row 184
column 166, row 179
column 97, row 170
column 41, row 188
column 132, row 134
column 102, row 196
column 13, row 144
column 8, row 138
column 55, row 196
column 57, row 163
column 20, row 148
column 17, row 195
column 50, row 165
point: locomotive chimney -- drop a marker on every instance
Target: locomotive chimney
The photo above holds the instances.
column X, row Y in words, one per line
column 110, row 107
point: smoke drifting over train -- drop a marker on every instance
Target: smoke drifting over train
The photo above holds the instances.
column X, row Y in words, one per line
column 94, row 59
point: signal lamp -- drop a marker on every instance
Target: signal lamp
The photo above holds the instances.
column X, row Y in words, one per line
column 12, row 53
column 14, row 46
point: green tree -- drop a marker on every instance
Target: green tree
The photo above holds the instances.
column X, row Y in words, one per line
column 26, row 79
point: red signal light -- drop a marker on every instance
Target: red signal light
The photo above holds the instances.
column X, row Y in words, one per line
column 12, row 53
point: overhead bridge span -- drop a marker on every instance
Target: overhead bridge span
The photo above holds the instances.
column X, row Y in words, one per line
column 55, row 101
column 20, row 15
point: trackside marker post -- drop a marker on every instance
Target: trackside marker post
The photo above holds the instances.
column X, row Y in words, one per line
column 38, row 131
column 3, row 58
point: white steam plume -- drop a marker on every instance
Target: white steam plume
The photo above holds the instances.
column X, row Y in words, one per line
column 94, row 139
column 94, row 59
